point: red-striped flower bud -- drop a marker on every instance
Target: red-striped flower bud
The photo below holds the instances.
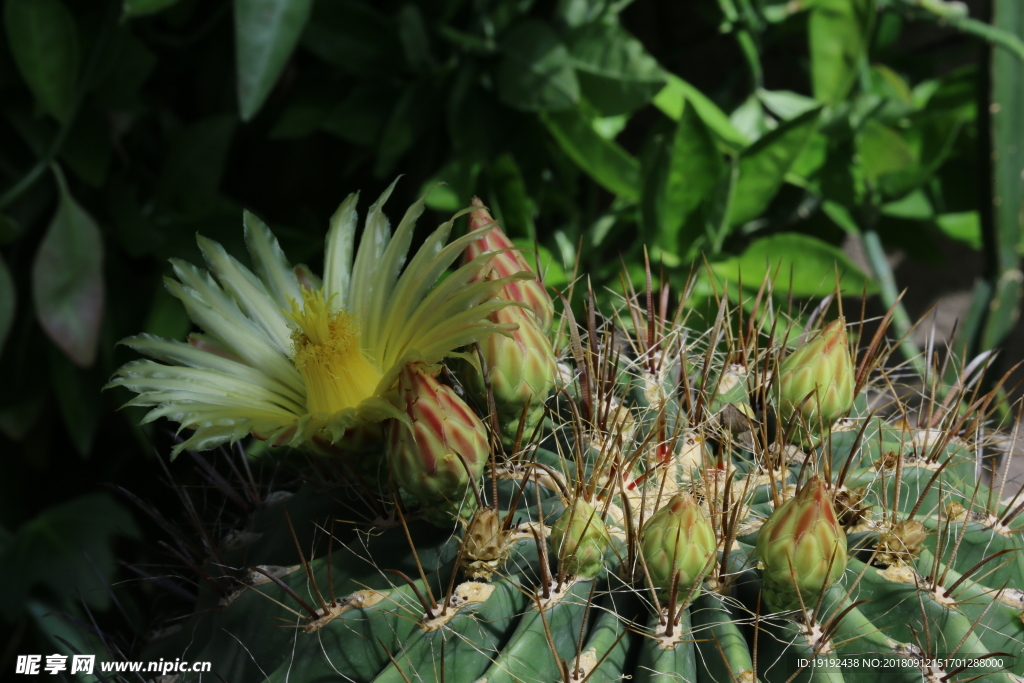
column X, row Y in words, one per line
column 520, row 370
column 802, row 548
column 817, row 379
column 425, row 458
column 529, row 292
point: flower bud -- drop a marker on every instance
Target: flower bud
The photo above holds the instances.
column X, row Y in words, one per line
column 520, row 370
column 802, row 549
column 678, row 543
column 579, row 540
column 817, row 379
column 425, row 458
column 529, row 292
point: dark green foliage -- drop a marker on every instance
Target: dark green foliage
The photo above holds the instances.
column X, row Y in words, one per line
column 740, row 133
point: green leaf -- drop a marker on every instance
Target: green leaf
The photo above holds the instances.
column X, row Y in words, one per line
column 915, row 206
column 677, row 91
column 751, row 119
column 882, row 151
column 514, row 208
column 687, row 172
column 964, row 226
column 68, row 549
column 412, row 31
column 87, row 150
column 77, row 393
column 44, row 40
column 7, row 303
column 266, row 32
column 129, row 67
column 578, row 12
column 411, row 118
column 763, row 167
column 785, row 104
column 67, row 280
column 603, row 160
column 838, row 31
column 194, row 163
column 800, row 265
column 615, row 72
column 450, row 188
column 361, row 117
column 354, row 36
column 138, row 8
column 9, row 229
column 536, row 72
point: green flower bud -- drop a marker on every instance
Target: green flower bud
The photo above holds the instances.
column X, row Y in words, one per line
column 802, row 548
column 424, row 458
column 678, row 543
column 529, row 292
column 817, row 379
column 579, row 540
column 520, row 370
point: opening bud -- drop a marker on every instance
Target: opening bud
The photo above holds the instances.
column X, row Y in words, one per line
column 445, row 448
column 529, row 292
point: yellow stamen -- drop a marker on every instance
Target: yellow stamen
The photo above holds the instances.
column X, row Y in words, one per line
column 338, row 373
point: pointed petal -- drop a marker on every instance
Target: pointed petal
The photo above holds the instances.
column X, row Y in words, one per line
column 388, row 268
column 176, row 352
column 371, row 249
column 219, row 316
column 338, row 258
column 271, row 264
column 149, row 378
column 249, row 292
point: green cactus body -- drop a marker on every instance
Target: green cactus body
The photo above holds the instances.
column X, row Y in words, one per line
column 723, row 652
column 668, row 657
column 378, row 587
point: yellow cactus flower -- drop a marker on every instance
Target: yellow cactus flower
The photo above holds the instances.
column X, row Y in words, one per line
column 299, row 365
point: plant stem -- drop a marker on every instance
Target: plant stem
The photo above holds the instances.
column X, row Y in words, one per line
column 43, row 163
column 955, row 14
column 891, row 297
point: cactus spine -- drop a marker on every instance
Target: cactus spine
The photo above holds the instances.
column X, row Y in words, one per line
column 643, row 531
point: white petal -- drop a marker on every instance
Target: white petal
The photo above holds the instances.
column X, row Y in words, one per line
column 421, row 275
column 338, row 257
column 271, row 264
column 387, row 273
column 150, row 379
column 210, row 308
column 206, row 438
column 371, row 249
column 249, row 292
column 179, row 352
column 449, row 297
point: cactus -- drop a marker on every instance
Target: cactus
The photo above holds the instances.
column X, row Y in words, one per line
column 656, row 525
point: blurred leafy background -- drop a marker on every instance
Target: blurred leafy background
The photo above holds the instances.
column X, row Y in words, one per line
column 729, row 136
